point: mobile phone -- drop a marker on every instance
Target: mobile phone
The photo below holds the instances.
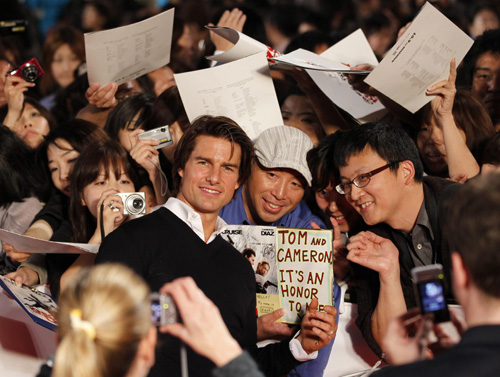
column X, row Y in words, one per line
column 163, row 309
column 429, row 289
column 162, row 134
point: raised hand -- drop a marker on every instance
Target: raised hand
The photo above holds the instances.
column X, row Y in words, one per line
column 234, row 19
column 317, row 329
column 444, row 92
column 103, row 98
column 269, row 328
column 374, row 252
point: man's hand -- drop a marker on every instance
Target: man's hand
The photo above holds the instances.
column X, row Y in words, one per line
column 15, row 255
column 269, row 328
column 398, row 346
column 24, row 275
column 374, row 252
column 317, row 328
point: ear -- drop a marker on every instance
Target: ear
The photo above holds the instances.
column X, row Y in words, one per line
column 146, row 349
column 82, row 201
column 181, row 172
column 461, row 278
column 408, row 171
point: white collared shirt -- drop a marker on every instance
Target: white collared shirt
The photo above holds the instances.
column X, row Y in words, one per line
column 192, row 218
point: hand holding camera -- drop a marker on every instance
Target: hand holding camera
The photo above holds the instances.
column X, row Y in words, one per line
column 202, row 327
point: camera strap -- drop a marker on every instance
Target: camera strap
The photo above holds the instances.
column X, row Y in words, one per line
column 184, row 361
column 102, row 223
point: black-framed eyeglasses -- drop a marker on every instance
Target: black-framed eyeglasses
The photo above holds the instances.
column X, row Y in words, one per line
column 361, row 180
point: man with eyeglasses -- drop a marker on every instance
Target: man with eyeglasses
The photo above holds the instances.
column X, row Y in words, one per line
column 381, row 176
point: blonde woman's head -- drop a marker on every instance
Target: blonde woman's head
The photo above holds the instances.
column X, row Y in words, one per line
column 104, row 314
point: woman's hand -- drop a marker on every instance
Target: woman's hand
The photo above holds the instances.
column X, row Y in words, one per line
column 104, row 98
column 234, row 19
column 14, row 88
column 444, row 92
column 111, row 206
column 144, row 153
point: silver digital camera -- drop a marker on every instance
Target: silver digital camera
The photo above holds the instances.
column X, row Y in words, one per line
column 134, row 203
column 162, row 134
column 163, row 310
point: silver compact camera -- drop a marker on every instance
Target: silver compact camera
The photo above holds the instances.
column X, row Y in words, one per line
column 163, row 310
column 162, row 134
column 134, row 203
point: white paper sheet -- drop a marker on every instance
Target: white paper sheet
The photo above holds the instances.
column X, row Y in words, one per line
column 127, row 52
column 37, row 246
column 243, row 45
column 241, row 90
column 309, row 60
column 420, row 58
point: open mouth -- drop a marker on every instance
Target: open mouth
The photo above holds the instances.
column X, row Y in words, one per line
column 365, row 205
column 271, row 207
column 210, row 191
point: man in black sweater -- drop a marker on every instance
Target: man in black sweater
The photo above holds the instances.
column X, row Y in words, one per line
column 182, row 239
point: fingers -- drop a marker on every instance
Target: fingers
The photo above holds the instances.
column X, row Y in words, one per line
column 314, row 225
column 103, row 98
column 453, row 71
column 336, row 229
column 15, row 255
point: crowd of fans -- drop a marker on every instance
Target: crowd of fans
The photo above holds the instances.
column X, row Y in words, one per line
column 68, row 147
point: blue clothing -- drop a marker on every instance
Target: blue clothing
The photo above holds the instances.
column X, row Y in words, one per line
column 234, row 213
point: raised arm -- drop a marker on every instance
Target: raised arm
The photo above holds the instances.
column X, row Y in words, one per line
column 380, row 255
column 461, row 162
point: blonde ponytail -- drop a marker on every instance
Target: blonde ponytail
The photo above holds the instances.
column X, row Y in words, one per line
column 103, row 315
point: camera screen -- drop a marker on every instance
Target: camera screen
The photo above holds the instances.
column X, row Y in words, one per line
column 432, row 296
column 156, row 311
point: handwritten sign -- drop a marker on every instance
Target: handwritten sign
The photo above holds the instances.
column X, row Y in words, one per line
column 305, row 270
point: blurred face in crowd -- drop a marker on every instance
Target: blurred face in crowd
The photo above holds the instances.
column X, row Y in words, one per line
column 486, row 83
column 380, row 200
column 64, row 64
column 270, row 194
column 298, row 112
column 335, row 205
column 163, row 79
column 61, row 157
column 430, row 143
column 93, row 192
column 484, row 20
column 31, row 126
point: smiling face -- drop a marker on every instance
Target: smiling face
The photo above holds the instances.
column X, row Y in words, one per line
column 383, row 198
column 210, row 176
column 298, row 112
column 31, row 126
column 61, row 157
column 91, row 195
column 336, row 205
column 63, row 66
column 270, row 194
column 430, row 143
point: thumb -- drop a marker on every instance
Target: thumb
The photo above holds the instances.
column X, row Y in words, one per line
column 277, row 314
column 314, row 305
column 314, row 225
column 19, row 281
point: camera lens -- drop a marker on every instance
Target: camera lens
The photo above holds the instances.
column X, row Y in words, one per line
column 29, row 72
column 137, row 204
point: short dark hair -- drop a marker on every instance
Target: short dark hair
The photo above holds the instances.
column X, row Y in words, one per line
column 473, row 223
column 248, row 252
column 319, row 160
column 219, row 127
column 391, row 143
column 489, row 41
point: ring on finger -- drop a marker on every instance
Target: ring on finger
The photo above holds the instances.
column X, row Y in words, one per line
column 331, row 333
column 110, row 205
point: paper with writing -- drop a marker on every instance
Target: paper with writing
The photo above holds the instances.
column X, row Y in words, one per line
column 36, row 246
column 420, row 58
column 127, row 52
column 241, row 90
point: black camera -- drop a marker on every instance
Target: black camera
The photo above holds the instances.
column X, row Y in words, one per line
column 30, row 71
column 163, row 310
